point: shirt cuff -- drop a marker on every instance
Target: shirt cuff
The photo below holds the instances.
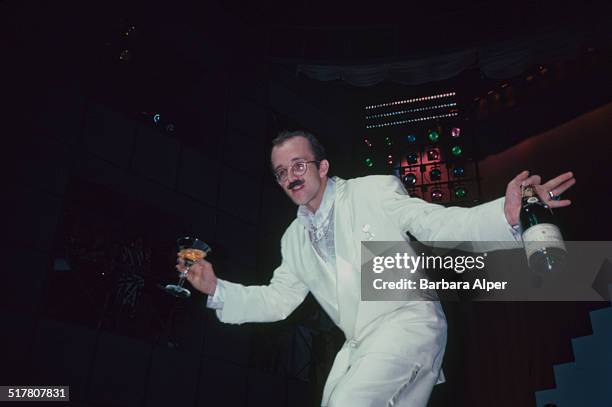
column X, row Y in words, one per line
column 216, row 301
column 515, row 230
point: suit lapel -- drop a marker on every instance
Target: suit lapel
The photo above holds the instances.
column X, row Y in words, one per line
column 348, row 283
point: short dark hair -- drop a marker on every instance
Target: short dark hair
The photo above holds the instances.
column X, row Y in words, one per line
column 315, row 146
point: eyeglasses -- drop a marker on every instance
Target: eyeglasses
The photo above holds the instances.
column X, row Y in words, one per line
column 298, row 169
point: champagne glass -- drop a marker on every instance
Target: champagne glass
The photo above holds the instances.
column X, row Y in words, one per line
column 191, row 249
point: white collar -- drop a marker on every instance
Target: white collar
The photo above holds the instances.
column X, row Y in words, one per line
column 309, row 219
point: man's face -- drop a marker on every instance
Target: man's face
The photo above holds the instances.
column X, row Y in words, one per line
column 306, row 189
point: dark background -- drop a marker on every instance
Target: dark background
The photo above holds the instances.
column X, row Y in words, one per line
column 93, row 182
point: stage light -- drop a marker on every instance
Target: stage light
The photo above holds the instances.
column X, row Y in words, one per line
column 388, row 141
column 417, row 109
column 369, row 162
column 460, row 192
column 437, row 195
column 156, row 118
column 367, row 142
column 458, row 171
column 410, row 179
column 125, row 55
column 390, row 159
column 419, row 99
column 419, row 119
column 435, row 174
column 411, row 138
column 455, row 132
column 131, row 30
column 456, row 150
column 433, row 136
column 412, row 158
column 433, row 154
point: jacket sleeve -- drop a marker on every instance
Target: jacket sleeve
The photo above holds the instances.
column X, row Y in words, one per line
column 435, row 223
column 267, row 303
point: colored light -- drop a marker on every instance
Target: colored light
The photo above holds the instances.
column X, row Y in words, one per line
column 455, row 132
column 456, row 150
column 433, row 136
column 435, row 174
column 388, row 141
column 411, row 138
column 433, row 154
column 410, row 179
column 369, row 162
column 460, row 192
column 412, row 158
column 458, row 171
column 367, row 142
column 437, row 195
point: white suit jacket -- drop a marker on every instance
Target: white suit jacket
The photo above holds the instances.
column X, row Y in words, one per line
column 414, row 330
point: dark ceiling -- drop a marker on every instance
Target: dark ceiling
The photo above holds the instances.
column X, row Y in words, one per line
column 361, row 31
column 186, row 39
column 180, row 52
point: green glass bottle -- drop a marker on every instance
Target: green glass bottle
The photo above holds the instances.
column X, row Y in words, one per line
column 542, row 237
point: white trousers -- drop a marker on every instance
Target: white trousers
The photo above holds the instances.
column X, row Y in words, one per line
column 394, row 361
column 380, row 380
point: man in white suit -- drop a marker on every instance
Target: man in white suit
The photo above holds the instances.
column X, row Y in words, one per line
column 393, row 350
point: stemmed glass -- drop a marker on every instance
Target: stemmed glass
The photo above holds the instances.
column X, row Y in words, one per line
column 191, row 249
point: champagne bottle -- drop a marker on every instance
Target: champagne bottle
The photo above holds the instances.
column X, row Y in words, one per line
column 542, row 238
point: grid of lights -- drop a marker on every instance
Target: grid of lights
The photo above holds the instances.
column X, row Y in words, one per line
column 420, row 170
column 420, row 119
column 413, row 100
column 418, row 109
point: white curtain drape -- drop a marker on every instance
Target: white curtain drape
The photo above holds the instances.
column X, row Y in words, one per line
column 497, row 61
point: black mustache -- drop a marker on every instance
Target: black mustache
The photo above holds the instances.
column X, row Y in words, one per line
column 295, row 183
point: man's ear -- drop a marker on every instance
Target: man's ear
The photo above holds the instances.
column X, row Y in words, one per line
column 323, row 168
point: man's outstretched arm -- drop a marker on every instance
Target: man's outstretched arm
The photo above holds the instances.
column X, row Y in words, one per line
column 491, row 221
column 237, row 304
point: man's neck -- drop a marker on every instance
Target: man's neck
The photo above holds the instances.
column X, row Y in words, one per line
column 314, row 205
